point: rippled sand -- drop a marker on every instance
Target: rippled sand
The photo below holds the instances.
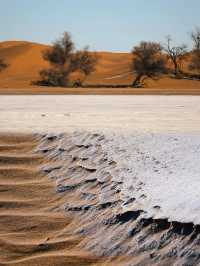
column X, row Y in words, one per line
column 33, row 230
column 99, row 180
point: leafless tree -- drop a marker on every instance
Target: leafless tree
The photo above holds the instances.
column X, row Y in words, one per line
column 195, row 59
column 176, row 54
column 61, row 52
column 148, row 62
column 65, row 60
column 3, row 65
column 85, row 62
column 195, row 35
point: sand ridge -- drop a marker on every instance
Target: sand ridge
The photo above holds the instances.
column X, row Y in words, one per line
column 32, row 229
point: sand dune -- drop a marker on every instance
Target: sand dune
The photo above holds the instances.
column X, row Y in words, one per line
column 25, row 61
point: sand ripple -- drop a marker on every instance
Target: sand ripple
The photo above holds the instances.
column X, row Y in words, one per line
column 32, row 229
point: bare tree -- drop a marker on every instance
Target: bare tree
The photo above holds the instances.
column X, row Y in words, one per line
column 3, row 65
column 148, row 62
column 176, row 55
column 65, row 60
column 195, row 35
column 59, row 57
column 85, row 62
column 61, row 52
column 195, row 59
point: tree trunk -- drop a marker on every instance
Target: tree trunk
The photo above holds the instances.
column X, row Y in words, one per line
column 176, row 70
column 137, row 80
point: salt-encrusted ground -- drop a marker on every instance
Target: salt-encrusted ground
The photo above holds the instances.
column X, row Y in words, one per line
column 125, row 163
column 123, row 204
column 154, row 140
column 112, row 113
column 162, row 171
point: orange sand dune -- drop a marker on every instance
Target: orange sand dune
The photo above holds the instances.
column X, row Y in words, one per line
column 25, row 61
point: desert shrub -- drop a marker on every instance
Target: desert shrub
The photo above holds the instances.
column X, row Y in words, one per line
column 85, row 62
column 3, row 65
column 65, row 60
column 148, row 62
column 54, row 77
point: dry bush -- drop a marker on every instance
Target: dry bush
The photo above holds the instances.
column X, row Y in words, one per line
column 3, row 65
column 85, row 62
column 65, row 60
column 54, row 77
column 176, row 54
column 148, row 62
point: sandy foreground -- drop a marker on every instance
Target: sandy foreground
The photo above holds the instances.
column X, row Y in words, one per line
column 99, row 180
column 32, row 230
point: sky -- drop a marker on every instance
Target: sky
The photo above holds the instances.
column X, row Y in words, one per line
column 104, row 25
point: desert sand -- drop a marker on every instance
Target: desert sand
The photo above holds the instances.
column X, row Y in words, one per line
column 25, row 61
column 99, row 180
column 32, row 229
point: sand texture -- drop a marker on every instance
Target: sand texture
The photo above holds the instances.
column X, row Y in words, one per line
column 32, row 229
column 63, row 203
column 98, row 180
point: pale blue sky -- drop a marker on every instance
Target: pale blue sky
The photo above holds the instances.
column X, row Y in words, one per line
column 113, row 25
